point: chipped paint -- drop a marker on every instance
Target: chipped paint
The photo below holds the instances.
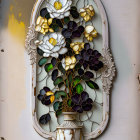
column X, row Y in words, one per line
column 16, row 28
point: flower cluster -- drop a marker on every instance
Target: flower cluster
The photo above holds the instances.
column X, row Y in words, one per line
column 72, row 30
column 87, row 13
column 46, row 96
column 77, row 47
column 59, row 10
column 90, row 58
column 82, row 102
column 43, row 25
column 69, row 62
column 66, row 53
column 53, row 45
column 90, row 32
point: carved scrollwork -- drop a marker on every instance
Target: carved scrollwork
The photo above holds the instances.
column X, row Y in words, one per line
column 29, row 44
column 109, row 72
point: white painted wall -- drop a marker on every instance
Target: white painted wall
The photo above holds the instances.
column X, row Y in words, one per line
column 15, row 113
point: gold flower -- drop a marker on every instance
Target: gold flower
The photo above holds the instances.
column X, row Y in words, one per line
column 42, row 25
column 69, row 62
column 77, row 46
column 51, row 94
column 90, row 32
column 87, row 13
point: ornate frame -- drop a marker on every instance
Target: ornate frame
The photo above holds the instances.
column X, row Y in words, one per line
column 107, row 75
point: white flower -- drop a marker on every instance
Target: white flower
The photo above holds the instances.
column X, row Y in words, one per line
column 59, row 9
column 53, row 45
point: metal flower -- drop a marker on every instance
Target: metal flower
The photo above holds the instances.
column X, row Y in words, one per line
column 46, row 96
column 53, row 45
column 43, row 25
column 69, row 62
column 90, row 58
column 77, row 47
column 73, row 30
column 59, row 9
column 82, row 102
column 90, row 32
column 87, row 13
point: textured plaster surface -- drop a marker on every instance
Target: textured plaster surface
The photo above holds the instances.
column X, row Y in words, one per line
column 15, row 110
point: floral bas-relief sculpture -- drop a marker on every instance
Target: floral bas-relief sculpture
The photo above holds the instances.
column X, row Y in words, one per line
column 63, row 37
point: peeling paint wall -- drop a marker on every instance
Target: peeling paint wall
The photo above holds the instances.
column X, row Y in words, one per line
column 15, row 112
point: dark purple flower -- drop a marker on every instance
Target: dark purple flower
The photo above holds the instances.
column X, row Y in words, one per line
column 81, row 102
column 45, row 100
column 90, row 58
column 72, row 30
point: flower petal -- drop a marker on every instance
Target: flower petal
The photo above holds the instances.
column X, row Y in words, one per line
column 84, row 96
column 46, row 54
column 63, row 50
column 55, row 55
column 67, row 68
column 46, row 38
column 76, row 98
column 89, row 29
column 55, row 49
column 72, row 66
column 49, row 45
column 53, row 35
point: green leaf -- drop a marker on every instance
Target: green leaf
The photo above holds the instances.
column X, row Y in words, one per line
column 92, row 84
column 67, row 83
column 61, row 84
column 40, row 52
column 56, row 27
column 58, row 81
column 85, row 78
column 60, row 67
column 58, row 112
column 48, row 67
column 68, row 40
column 70, row 78
column 77, row 66
column 42, row 61
column 69, row 102
column 79, row 88
column 54, row 74
column 59, row 23
column 58, row 94
column 47, row 16
column 66, row 20
column 53, row 61
column 60, row 105
column 74, row 8
column 77, row 79
column 56, row 106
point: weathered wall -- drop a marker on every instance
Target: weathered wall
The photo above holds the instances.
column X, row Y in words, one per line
column 15, row 113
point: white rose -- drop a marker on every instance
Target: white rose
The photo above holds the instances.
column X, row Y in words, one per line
column 53, row 44
column 63, row 12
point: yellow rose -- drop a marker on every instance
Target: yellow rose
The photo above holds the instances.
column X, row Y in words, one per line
column 42, row 25
column 90, row 32
column 77, row 46
column 87, row 13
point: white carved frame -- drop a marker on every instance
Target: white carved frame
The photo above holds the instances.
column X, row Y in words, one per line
column 107, row 75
